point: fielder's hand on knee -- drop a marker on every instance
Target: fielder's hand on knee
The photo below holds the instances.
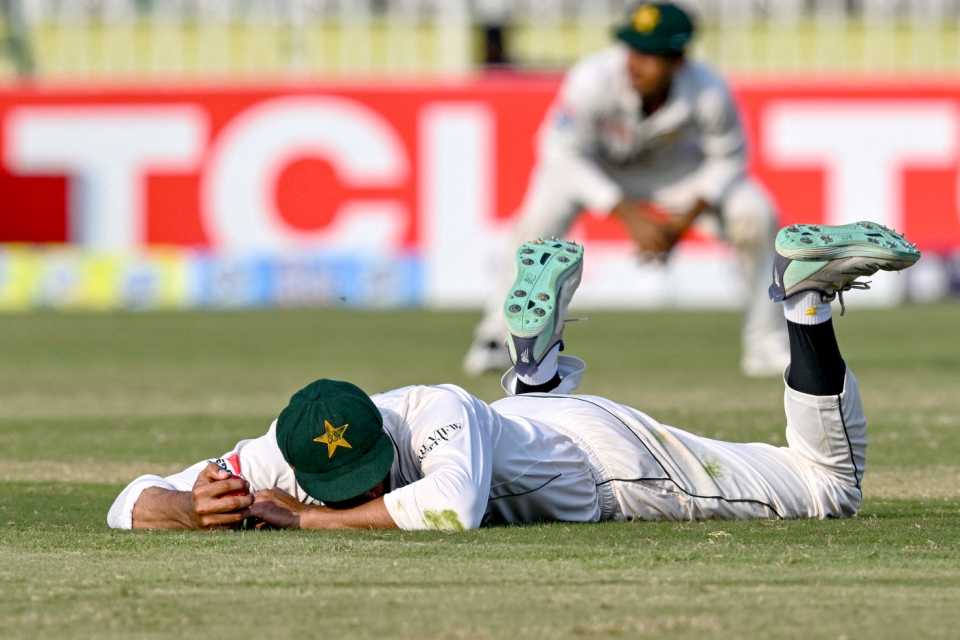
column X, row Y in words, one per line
column 654, row 232
column 652, row 236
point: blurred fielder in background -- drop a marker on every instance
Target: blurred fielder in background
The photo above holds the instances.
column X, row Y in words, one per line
column 640, row 132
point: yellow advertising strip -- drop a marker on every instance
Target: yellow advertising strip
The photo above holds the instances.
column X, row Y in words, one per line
column 174, row 278
column 69, row 278
column 20, row 270
column 100, row 282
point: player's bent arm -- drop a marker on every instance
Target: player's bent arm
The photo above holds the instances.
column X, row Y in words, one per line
column 722, row 141
column 456, row 462
column 569, row 137
column 443, row 500
column 683, row 222
column 564, row 160
column 120, row 515
column 159, row 508
column 448, row 500
column 218, row 499
column 451, row 438
column 201, row 496
column 586, row 181
column 281, row 510
column 372, row 515
column 152, row 501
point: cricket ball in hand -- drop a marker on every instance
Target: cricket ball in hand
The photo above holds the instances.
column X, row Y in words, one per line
column 220, row 462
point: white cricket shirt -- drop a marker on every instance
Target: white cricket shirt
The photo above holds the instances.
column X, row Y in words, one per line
column 596, row 126
column 458, row 464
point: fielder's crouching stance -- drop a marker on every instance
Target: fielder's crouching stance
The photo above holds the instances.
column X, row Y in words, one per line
column 436, row 457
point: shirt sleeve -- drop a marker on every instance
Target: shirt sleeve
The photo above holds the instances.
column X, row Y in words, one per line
column 722, row 141
column 257, row 460
column 120, row 515
column 453, row 447
column 569, row 140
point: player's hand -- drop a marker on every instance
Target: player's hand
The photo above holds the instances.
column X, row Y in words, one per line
column 212, row 506
column 280, row 498
column 653, row 235
column 657, row 240
column 276, row 508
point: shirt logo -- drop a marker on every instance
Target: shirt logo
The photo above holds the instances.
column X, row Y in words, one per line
column 333, row 438
column 438, row 437
column 646, row 18
column 230, row 465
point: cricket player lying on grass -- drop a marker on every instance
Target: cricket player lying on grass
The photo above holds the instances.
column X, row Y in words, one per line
column 424, row 457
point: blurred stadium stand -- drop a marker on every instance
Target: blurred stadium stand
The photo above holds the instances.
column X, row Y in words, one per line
column 256, row 38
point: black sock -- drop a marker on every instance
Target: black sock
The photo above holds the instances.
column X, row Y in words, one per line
column 816, row 366
column 546, row 387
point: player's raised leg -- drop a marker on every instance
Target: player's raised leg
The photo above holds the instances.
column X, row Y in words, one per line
column 814, row 265
column 548, row 211
column 535, row 310
column 818, row 474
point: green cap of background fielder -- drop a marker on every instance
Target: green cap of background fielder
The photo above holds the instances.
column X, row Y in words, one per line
column 657, row 28
column 332, row 435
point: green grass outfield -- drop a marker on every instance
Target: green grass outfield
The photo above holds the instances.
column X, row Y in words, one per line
column 89, row 401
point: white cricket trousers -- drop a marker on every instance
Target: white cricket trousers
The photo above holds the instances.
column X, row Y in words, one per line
column 658, row 472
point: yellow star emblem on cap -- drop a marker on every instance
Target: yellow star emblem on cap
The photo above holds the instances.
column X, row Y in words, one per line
column 646, row 18
column 333, row 438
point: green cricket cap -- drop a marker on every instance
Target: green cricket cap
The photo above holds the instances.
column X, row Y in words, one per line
column 657, row 28
column 332, row 435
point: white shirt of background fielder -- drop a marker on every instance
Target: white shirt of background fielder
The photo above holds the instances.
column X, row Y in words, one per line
column 596, row 124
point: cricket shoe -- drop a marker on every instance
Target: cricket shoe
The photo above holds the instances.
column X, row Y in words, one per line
column 548, row 274
column 829, row 259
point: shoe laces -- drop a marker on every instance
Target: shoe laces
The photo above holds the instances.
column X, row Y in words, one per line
column 838, row 294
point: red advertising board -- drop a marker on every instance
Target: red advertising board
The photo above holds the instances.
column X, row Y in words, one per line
column 268, row 167
column 318, row 152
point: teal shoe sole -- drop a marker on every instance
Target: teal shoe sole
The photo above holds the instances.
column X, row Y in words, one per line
column 813, row 242
column 542, row 267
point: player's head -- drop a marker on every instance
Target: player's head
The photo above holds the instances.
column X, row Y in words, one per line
column 332, row 435
column 657, row 34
